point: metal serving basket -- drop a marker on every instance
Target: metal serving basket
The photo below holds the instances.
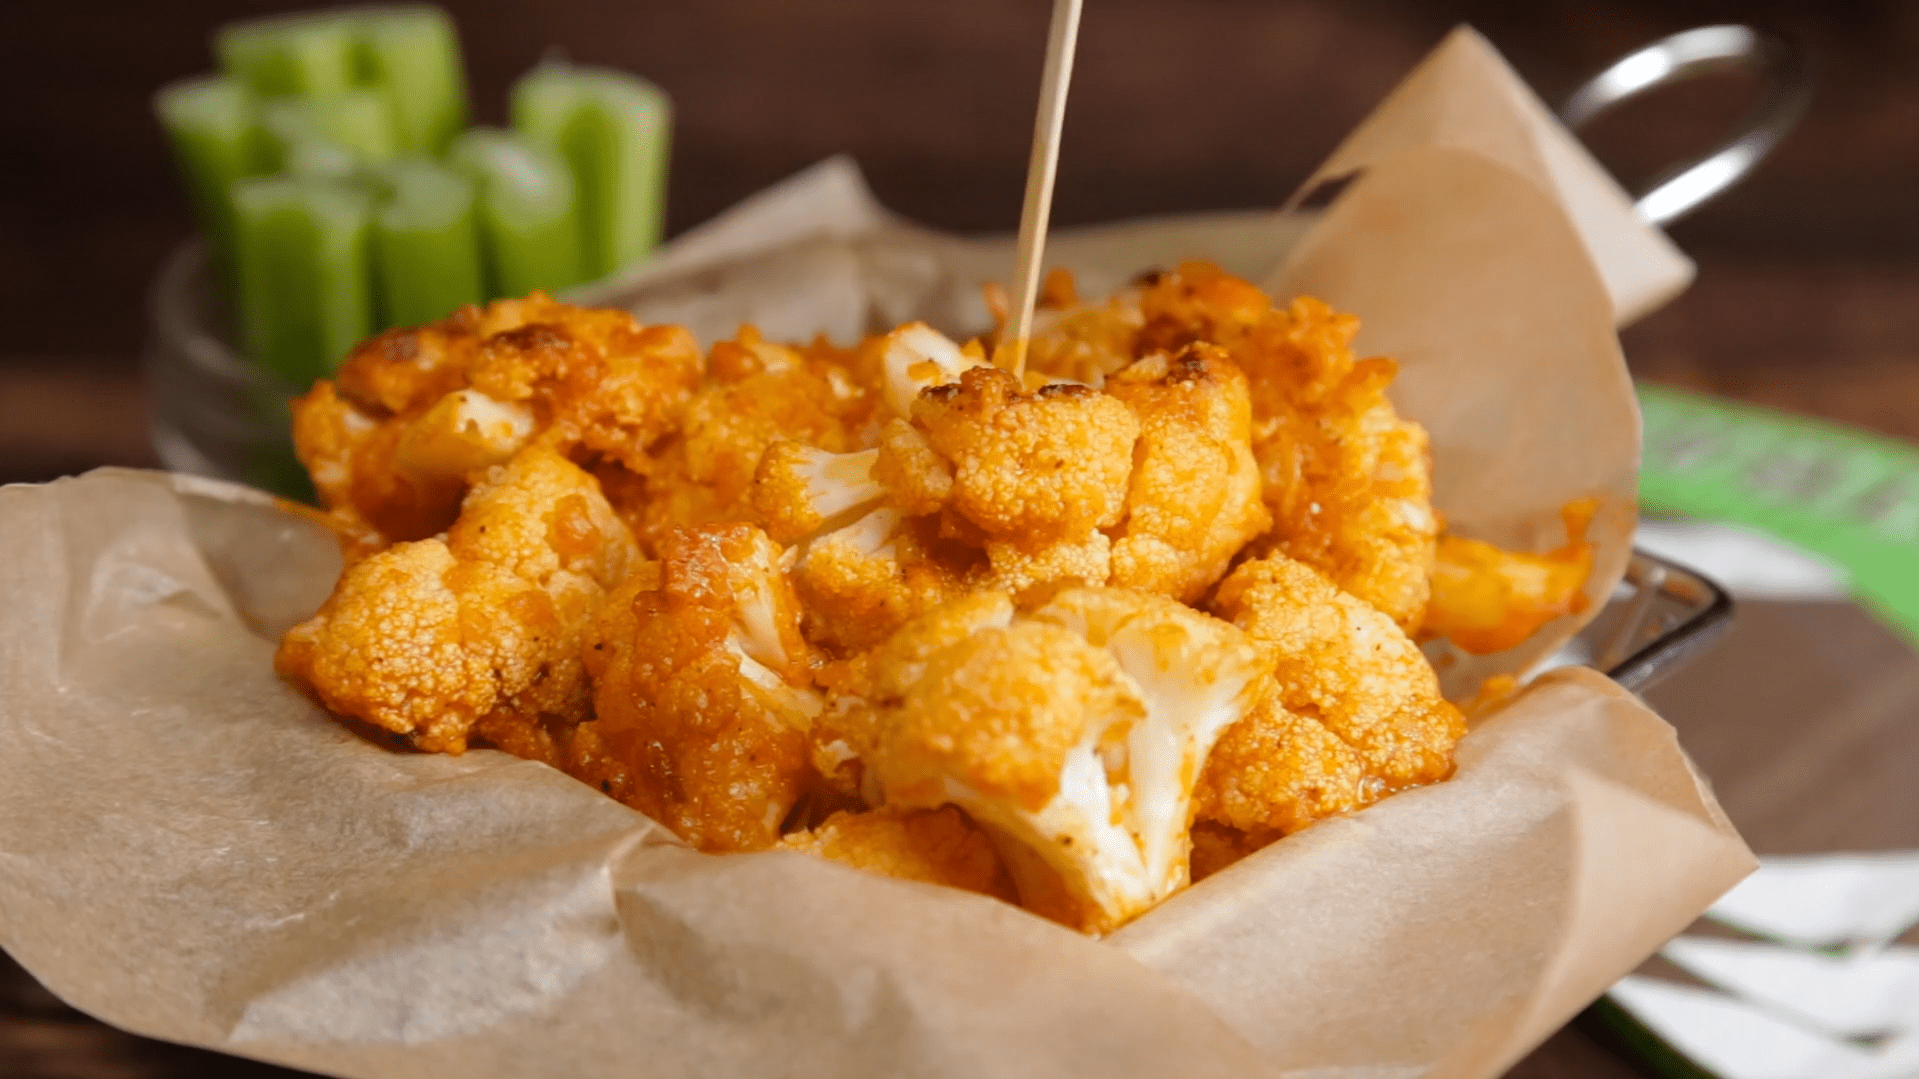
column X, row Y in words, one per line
column 1660, row 616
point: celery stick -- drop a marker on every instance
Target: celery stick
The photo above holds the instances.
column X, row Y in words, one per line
column 213, row 124
column 356, row 121
column 320, row 159
column 412, row 54
column 426, row 243
column 311, row 54
column 528, row 215
column 614, row 130
column 305, row 294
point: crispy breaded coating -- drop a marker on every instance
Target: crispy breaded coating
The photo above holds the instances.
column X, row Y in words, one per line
column 1487, row 600
column 916, row 477
column 1278, row 771
column 1348, row 482
column 862, row 582
column 1042, row 466
column 1195, row 494
column 702, row 691
column 1341, row 662
column 937, row 846
column 596, row 378
column 429, row 638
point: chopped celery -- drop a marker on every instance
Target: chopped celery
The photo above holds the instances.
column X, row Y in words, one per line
column 320, row 159
column 426, row 243
column 311, row 54
column 529, row 222
column 614, row 130
column 356, row 121
column 413, row 55
column 304, row 273
column 409, row 56
column 213, row 124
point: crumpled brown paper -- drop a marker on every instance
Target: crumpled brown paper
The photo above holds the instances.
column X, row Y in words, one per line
column 193, row 851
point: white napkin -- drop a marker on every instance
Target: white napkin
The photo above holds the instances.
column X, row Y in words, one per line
column 1855, row 901
column 1826, row 997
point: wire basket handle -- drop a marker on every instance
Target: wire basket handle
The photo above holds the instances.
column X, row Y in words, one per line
column 1783, row 65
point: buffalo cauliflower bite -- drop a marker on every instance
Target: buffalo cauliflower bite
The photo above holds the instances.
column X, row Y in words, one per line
column 1278, row 771
column 757, row 394
column 702, row 691
column 861, row 567
column 1034, row 467
column 414, row 414
column 1194, row 500
column 597, row 379
column 1035, row 476
column 1344, row 664
column 861, row 582
column 1073, row 733
column 480, row 630
column 801, row 489
column 1348, row 482
column 937, row 846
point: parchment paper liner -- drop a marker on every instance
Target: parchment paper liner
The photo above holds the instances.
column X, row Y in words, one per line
column 193, row 851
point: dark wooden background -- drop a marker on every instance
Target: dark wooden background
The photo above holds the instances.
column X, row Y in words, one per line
column 1808, row 296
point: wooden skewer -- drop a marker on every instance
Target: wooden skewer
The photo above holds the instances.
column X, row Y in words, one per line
column 1040, row 169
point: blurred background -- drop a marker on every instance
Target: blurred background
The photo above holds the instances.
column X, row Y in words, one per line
column 1807, row 298
column 1808, row 271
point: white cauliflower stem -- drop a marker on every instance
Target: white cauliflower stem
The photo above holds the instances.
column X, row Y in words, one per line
column 918, row 356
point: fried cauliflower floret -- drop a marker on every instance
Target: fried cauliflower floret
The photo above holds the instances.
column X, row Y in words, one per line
column 757, row 394
column 414, row 414
column 1034, row 475
column 599, row 381
column 1030, row 467
column 863, row 567
column 937, row 846
column 702, row 691
column 1348, row 482
column 1195, row 494
column 1278, row 771
column 348, row 453
column 799, row 489
column 1487, row 600
column 436, row 638
column 862, row 582
column 1343, row 664
column 1074, row 734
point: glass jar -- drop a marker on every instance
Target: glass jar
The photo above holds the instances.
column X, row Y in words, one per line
column 214, row 413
